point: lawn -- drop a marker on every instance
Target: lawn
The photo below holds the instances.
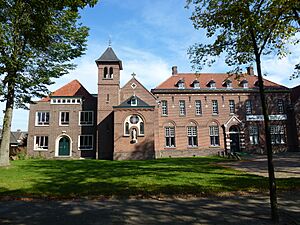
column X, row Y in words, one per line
column 79, row 178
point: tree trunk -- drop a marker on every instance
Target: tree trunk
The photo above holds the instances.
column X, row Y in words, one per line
column 6, row 129
column 272, row 183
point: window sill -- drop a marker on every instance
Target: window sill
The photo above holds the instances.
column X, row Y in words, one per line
column 40, row 150
column 164, row 115
column 85, row 125
column 90, row 149
column 40, row 125
column 216, row 146
column 215, row 114
column 63, row 125
column 169, row 147
column 192, row 147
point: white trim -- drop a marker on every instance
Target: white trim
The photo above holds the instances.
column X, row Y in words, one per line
column 232, row 118
column 36, row 119
column 59, row 122
column 57, row 145
column 35, row 146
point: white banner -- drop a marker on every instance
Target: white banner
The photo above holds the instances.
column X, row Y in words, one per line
column 261, row 117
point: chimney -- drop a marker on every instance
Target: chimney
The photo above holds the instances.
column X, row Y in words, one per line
column 174, row 70
column 250, row 71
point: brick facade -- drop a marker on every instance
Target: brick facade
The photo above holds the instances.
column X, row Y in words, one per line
column 186, row 115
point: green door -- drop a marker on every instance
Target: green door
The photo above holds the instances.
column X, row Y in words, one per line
column 64, row 147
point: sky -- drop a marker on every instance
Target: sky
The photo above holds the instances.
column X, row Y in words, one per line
column 149, row 36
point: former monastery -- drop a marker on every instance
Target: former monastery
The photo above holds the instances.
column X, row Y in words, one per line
column 186, row 115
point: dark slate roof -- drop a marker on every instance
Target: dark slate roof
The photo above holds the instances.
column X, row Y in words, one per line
column 13, row 140
column 109, row 56
column 127, row 103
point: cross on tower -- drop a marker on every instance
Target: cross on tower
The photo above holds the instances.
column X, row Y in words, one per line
column 133, row 74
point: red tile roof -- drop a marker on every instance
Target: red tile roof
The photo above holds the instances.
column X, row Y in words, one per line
column 74, row 88
column 219, row 78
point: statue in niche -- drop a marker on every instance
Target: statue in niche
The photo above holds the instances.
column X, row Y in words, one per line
column 133, row 136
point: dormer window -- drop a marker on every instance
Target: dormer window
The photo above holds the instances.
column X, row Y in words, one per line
column 256, row 83
column 212, row 84
column 229, row 84
column 196, row 84
column 244, row 84
column 180, row 84
column 133, row 101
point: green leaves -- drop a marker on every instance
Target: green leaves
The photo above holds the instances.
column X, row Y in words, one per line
column 243, row 30
column 38, row 39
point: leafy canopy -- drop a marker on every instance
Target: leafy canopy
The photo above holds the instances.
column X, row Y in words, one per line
column 244, row 30
column 38, row 39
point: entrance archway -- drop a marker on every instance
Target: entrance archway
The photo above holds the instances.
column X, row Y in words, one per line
column 64, row 146
column 234, row 134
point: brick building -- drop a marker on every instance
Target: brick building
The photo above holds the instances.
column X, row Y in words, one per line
column 186, row 115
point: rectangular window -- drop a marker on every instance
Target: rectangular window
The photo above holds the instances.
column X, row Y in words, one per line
column 85, row 142
column 192, row 136
column 64, row 118
column 42, row 118
column 231, row 106
column 253, row 135
column 86, row 118
column 248, row 105
column 198, row 107
column 277, row 134
column 170, row 136
column 40, row 142
column 280, row 106
column 214, row 136
column 164, row 108
column 181, row 107
column 215, row 108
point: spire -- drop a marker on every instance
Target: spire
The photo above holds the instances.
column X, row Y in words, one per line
column 109, row 56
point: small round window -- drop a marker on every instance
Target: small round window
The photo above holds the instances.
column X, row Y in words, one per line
column 134, row 119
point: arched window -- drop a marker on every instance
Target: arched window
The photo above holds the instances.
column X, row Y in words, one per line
column 136, row 122
column 126, row 128
column 141, row 127
column 105, row 73
column 192, row 135
column 111, row 72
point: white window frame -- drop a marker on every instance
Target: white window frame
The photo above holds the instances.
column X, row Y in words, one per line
column 214, row 135
column 198, row 108
column 196, row 85
column 39, row 147
column 86, row 124
column 212, row 85
column 192, row 135
column 182, row 110
column 254, row 135
column 245, row 84
column 66, row 101
column 280, row 106
column 80, row 147
column 229, row 84
column 60, row 117
column 43, row 123
column 170, row 135
column 277, row 134
column 164, row 108
column 249, row 108
column 215, row 107
column 181, row 85
column 231, row 106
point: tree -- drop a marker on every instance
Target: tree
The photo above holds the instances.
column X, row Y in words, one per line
column 38, row 39
column 244, row 31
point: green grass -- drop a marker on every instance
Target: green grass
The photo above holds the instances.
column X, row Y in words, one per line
column 79, row 178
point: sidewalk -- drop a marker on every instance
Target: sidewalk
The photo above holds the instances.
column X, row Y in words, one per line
column 285, row 165
column 234, row 210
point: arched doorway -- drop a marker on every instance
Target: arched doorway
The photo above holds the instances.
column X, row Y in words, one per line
column 234, row 134
column 64, row 146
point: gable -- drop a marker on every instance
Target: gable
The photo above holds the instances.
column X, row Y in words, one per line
column 134, row 87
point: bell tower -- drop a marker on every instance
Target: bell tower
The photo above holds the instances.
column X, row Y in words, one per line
column 109, row 67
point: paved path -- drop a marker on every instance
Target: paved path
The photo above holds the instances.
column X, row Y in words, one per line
column 234, row 210
column 285, row 164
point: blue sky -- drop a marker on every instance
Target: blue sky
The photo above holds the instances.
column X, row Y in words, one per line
column 149, row 36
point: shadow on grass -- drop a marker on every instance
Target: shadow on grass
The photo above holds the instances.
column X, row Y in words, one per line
column 78, row 178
